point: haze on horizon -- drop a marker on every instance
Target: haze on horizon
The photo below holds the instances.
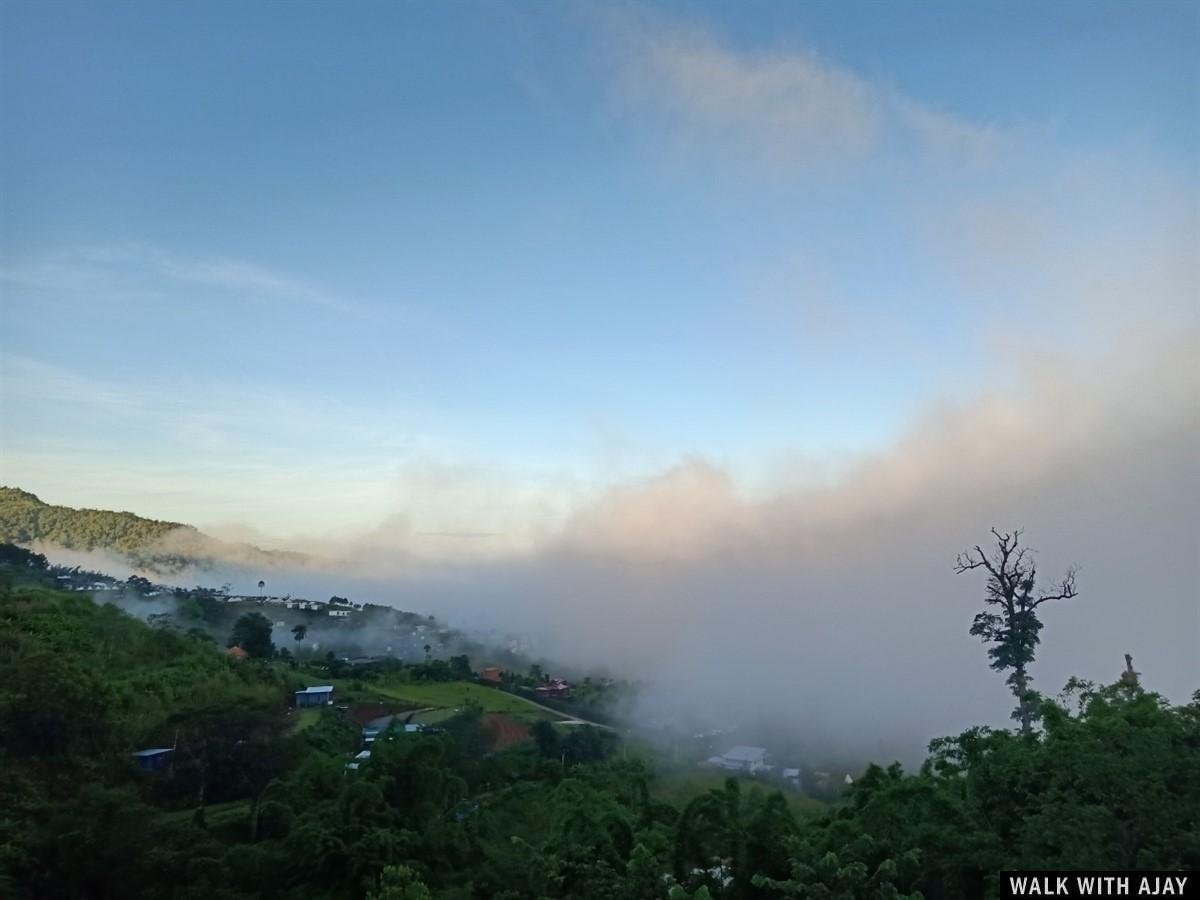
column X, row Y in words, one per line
column 698, row 341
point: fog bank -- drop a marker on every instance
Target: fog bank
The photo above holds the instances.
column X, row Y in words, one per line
column 834, row 613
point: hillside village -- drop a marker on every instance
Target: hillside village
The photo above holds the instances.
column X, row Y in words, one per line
column 349, row 636
column 336, row 624
column 344, row 637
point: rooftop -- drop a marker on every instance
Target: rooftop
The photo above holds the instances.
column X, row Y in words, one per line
column 317, row 689
column 746, row 754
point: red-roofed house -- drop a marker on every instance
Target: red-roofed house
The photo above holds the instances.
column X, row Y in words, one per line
column 236, row 653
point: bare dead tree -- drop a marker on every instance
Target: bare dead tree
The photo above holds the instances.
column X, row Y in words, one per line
column 1010, row 622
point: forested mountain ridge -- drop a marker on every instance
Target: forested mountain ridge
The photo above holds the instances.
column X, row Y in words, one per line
column 25, row 519
column 148, row 543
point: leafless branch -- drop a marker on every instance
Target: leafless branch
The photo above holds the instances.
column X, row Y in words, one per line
column 977, row 560
column 1065, row 590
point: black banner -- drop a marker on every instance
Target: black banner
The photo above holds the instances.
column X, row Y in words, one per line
column 1099, row 884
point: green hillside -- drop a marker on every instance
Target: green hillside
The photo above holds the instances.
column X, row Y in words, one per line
column 148, row 543
column 25, row 519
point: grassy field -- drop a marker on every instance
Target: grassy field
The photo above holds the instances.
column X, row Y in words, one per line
column 443, row 696
column 216, row 815
column 680, row 787
column 304, row 718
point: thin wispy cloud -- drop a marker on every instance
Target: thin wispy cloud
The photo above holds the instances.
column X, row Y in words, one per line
column 787, row 108
column 130, row 270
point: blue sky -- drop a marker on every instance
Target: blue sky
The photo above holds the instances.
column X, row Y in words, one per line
column 305, row 266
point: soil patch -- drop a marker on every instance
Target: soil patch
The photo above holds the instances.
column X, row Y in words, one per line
column 505, row 730
column 363, row 713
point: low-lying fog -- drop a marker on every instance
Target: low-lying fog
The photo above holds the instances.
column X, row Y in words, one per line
column 834, row 613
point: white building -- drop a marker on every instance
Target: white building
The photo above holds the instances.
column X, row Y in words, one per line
column 741, row 759
column 339, row 613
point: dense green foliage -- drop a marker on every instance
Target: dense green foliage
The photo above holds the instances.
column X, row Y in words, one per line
column 251, row 804
column 252, row 632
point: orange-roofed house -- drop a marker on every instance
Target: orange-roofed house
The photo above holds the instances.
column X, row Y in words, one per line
column 494, row 674
column 236, row 653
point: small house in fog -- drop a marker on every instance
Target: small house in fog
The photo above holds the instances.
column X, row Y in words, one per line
column 494, row 674
column 318, row 695
column 741, row 759
column 236, row 653
column 554, row 690
column 153, row 759
column 339, row 613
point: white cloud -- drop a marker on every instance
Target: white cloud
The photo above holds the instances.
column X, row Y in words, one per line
column 834, row 612
column 787, row 108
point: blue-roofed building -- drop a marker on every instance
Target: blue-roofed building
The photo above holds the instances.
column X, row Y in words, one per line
column 154, row 758
column 318, row 695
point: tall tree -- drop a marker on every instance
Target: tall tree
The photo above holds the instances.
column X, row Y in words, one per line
column 546, row 738
column 299, row 631
column 252, row 632
column 1010, row 621
column 460, row 667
